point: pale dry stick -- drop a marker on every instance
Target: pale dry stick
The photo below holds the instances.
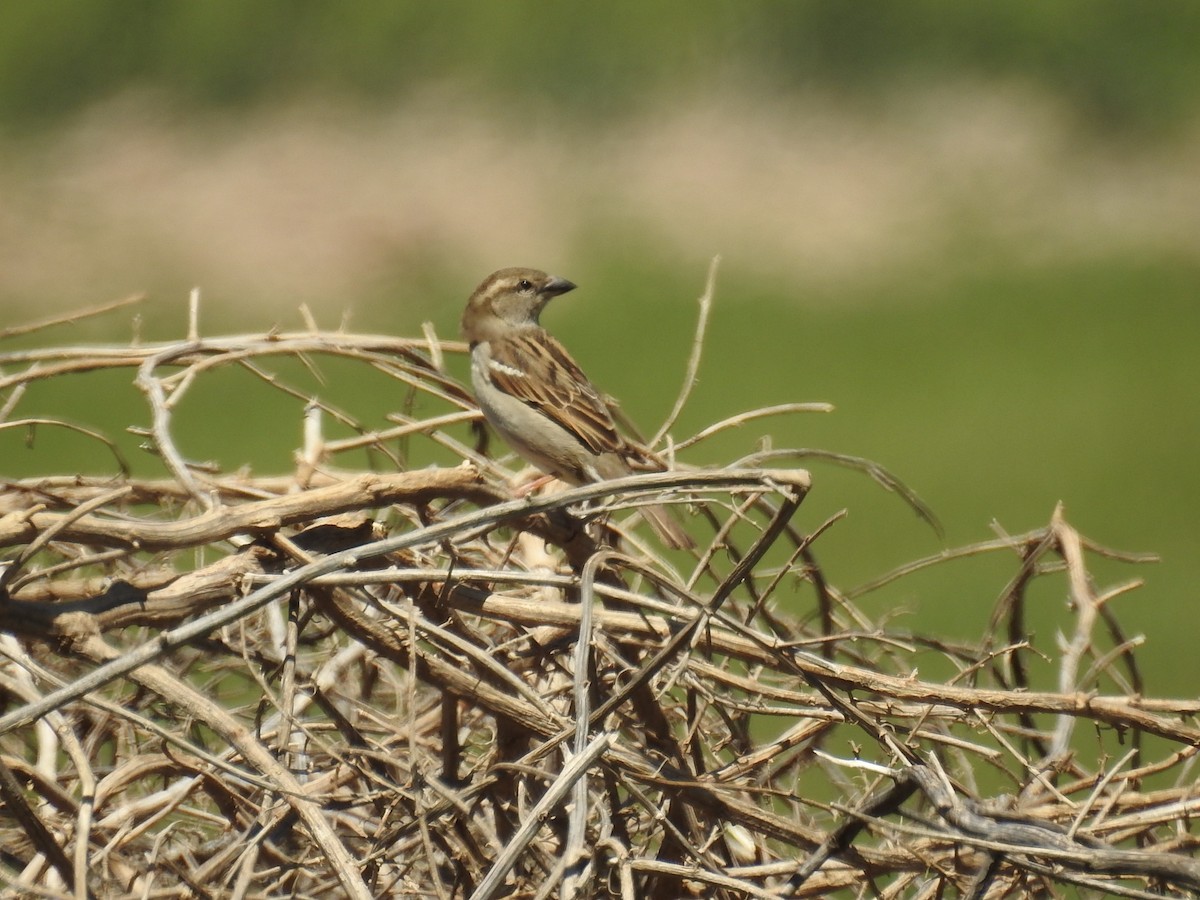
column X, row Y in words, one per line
column 862, row 765
column 873, row 470
column 659, row 816
column 160, row 429
column 693, row 364
column 1010, row 846
column 20, row 684
column 1035, row 838
column 943, row 739
column 400, row 574
column 95, row 356
column 766, row 649
column 1103, row 662
column 789, row 565
column 574, row 848
column 418, row 575
column 436, row 358
column 712, row 877
column 422, row 426
column 155, row 807
column 402, row 354
column 176, row 385
column 439, row 886
column 1181, row 758
column 574, row 769
column 26, row 882
column 245, row 870
column 955, row 553
column 213, row 351
column 71, row 490
column 479, row 655
column 1033, row 771
column 1085, row 604
column 313, row 451
column 410, row 690
column 307, row 317
column 552, row 879
column 216, row 717
column 740, row 419
column 1095, row 795
column 64, row 737
column 368, row 490
column 87, row 802
column 289, row 737
column 71, row 318
column 28, row 667
column 55, row 528
column 463, row 452
column 42, row 370
column 449, row 392
column 47, row 573
column 124, row 806
column 717, row 543
column 742, row 767
column 1055, row 872
column 620, row 853
column 193, row 328
column 13, row 399
column 567, row 616
column 1183, row 809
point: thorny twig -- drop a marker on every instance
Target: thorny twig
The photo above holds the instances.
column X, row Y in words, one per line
column 395, row 682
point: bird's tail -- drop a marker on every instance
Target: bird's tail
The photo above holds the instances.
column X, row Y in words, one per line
column 667, row 527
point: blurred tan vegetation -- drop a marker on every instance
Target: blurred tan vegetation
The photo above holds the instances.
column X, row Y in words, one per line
column 313, row 203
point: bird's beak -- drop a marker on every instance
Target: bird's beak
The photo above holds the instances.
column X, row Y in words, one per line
column 556, row 286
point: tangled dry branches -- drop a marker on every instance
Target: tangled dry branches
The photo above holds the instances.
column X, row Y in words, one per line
column 407, row 683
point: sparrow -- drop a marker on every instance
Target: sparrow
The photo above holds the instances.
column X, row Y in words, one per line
column 535, row 395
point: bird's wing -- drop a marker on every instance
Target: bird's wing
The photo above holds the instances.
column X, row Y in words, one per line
column 537, row 370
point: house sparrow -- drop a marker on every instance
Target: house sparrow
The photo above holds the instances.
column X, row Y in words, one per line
column 538, row 399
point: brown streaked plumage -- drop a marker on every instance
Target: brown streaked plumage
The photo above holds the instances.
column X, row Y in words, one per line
column 536, row 396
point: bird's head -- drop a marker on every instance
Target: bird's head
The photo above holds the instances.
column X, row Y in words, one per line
column 510, row 298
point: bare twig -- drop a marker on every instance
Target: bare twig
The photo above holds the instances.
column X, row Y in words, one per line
column 693, row 365
column 72, row 317
column 409, row 682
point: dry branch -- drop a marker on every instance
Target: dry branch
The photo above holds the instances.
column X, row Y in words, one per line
column 412, row 683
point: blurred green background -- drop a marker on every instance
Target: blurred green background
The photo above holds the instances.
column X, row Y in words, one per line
column 974, row 228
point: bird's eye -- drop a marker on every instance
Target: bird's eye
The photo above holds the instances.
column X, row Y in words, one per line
column 524, row 284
